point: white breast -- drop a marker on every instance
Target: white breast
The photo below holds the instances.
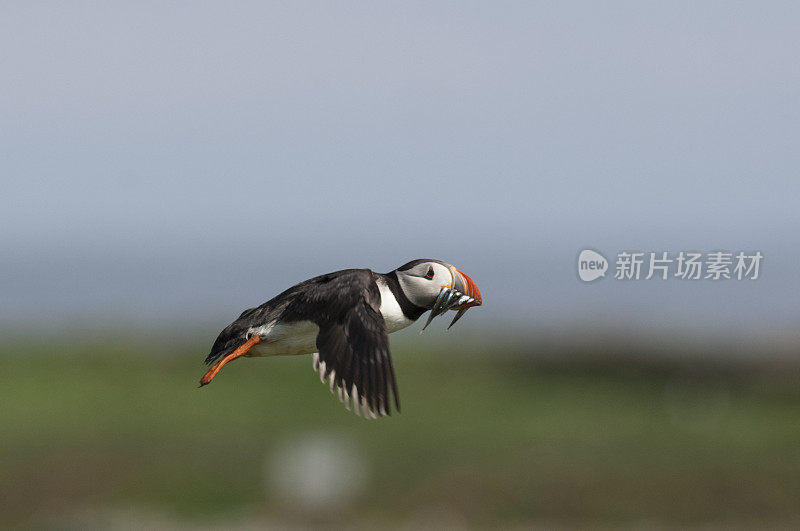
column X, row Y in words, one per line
column 390, row 309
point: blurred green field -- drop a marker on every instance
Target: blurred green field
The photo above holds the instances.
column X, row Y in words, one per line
column 485, row 439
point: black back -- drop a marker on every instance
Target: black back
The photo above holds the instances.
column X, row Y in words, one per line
column 352, row 339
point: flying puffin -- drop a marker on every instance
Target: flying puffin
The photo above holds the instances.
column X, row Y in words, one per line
column 343, row 319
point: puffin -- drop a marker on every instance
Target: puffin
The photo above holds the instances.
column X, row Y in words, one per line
column 343, row 319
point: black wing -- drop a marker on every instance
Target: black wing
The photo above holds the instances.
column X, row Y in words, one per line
column 352, row 341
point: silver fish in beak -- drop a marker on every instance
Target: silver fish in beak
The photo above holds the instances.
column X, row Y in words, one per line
column 461, row 296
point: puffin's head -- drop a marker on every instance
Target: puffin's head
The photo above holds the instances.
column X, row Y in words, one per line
column 439, row 287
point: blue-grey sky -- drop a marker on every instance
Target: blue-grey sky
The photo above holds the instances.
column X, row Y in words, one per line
column 176, row 162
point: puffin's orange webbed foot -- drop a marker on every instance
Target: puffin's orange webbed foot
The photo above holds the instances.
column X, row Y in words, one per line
column 241, row 351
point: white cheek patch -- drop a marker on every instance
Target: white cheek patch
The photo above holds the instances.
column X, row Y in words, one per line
column 423, row 291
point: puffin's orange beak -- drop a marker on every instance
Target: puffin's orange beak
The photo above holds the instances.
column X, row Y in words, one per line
column 468, row 287
column 461, row 296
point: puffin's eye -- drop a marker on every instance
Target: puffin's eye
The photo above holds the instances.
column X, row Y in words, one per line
column 429, row 274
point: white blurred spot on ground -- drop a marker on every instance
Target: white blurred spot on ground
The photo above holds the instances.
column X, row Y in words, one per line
column 316, row 471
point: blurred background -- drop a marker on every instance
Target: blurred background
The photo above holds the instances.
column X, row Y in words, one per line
column 165, row 166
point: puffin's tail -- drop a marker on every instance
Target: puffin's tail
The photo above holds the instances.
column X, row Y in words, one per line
column 234, row 341
column 239, row 351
